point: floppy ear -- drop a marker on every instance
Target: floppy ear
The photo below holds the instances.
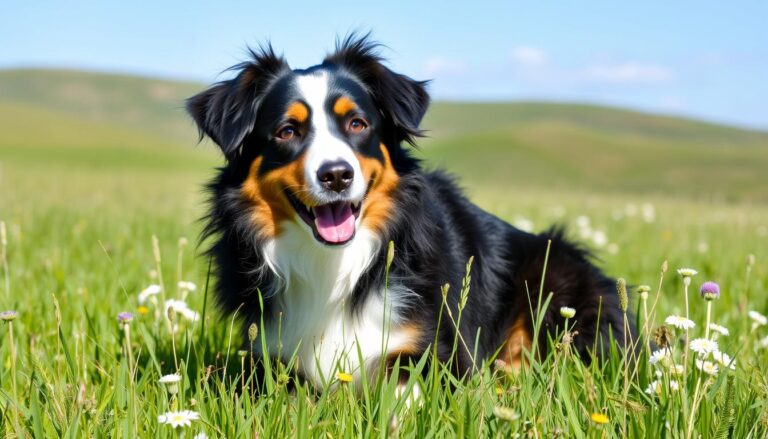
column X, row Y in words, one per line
column 226, row 112
column 401, row 100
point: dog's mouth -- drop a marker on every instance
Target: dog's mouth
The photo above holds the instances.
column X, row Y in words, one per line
column 332, row 223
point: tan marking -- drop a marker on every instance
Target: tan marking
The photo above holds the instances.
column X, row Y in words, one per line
column 377, row 208
column 298, row 112
column 343, row 106
column 519, row 339
column 265, row 194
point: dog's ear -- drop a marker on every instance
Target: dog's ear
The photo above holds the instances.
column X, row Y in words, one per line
column 401, row 100
column 226, row 112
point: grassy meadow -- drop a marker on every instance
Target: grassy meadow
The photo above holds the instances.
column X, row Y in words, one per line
column 94, row 167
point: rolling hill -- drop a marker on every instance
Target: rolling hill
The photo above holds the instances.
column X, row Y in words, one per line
column 70, row 118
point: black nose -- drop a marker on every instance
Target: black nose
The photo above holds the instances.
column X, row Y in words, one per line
column 336, row 176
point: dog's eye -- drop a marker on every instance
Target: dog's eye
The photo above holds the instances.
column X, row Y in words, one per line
column 287, row 133
column 357, row 125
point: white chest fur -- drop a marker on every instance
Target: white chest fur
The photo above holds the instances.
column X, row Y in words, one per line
column 316, row 321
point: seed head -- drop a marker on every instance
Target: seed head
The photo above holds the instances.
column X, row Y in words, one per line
column 662, row 336
column 621, row 288
column 710, row 290
column 664, row 266
column 253, row 331
column 643, row 290
column 390, row 253
column 3, row 235
column 750, row 260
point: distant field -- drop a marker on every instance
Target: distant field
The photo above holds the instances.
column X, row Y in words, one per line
column 93, row 166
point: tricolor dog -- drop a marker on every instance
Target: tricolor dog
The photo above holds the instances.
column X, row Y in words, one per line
column 318, row 179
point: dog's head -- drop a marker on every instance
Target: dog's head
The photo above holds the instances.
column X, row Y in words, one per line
column 314, row 145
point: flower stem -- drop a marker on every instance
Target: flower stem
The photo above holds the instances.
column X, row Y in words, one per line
column 686, row 282
column 13, row 379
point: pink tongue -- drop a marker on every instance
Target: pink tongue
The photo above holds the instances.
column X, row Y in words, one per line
column 335, row 222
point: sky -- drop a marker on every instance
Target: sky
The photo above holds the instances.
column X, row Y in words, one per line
column 703, row 59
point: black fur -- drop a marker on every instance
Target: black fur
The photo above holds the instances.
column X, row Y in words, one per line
column 435, row 229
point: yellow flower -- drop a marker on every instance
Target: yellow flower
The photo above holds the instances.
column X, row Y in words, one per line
column 499, row 390
column 143, row 310
column 599, row 418
column 344, row 377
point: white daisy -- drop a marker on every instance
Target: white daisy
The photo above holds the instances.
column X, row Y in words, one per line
column 181, row 307
column 679, row 322
column 661, row 356
column 703, row 346
column 722, row 330
column 654, row 388
column 724, row 359
column 764, row 342
column 707, row 367
column 201, row 435
column 183, row 418
column 687, row 272
column 148, row 292
column 187, row 286
column 674, row 385
column 676, row 369
column 170, row 378
column 758, row 318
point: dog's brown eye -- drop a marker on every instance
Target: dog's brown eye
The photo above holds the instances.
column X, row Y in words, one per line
column 357, row 125
column 287, row 133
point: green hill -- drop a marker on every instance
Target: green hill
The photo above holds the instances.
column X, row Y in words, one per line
column 75, row 118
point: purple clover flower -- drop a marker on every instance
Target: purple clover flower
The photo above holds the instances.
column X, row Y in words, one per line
column 124, row 317
column 710, row 290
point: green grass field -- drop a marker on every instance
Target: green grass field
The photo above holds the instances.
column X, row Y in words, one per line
column 93, row 166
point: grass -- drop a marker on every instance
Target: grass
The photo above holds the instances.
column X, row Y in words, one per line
column 82, row 201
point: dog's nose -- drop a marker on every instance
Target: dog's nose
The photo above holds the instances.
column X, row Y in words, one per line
column 336, row 176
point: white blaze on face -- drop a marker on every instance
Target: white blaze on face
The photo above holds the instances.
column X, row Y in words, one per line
column 325, row 147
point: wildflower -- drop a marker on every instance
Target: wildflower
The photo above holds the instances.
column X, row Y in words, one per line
column 567, row 312
column 710, row 290
column 643, row 290
column 124, row 317
column 660, row 356
column 724, row 359
column 200, row 435
column 505, row 413
column 143, row 310
column 344, row 377
column 674, row 385
column 148, row 292
column 759, row 319
column 676, row 369
column 764, row 342
column 599, row 418
column 707, row 367
column 181, row 307
column 182, row 241
column 187, row 286
column 722, row 330
column 8, row 316
column 599, row 238
column 183, row 418
column 679, row 322
column 582, row 221
column 171, row 382
column 703, row 346
column 654, row 388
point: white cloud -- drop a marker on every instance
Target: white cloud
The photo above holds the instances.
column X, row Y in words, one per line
column 628, row 73
column 439, row 66
column 529, row 56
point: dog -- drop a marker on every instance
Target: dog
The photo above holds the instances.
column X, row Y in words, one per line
column 327, row 233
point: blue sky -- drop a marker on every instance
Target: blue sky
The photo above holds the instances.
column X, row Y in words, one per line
column 700, row 58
